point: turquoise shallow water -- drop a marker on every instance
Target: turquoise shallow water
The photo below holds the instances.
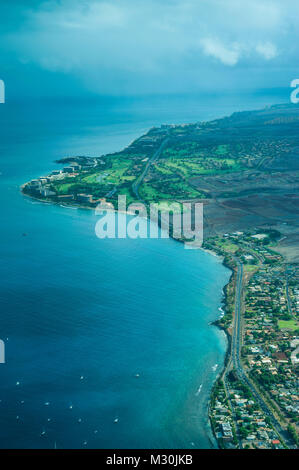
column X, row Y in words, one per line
column 81, row 316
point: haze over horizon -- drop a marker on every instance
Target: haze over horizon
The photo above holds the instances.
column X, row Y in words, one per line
column 130, row 47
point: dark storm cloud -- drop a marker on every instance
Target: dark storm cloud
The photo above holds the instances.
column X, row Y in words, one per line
column 136, row 46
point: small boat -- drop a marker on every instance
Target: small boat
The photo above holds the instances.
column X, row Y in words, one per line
column 116, row 420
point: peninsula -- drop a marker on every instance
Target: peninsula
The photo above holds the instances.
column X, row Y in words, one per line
column 244, row 169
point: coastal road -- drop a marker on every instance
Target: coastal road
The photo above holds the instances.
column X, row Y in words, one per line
column 288, row 295
column 237, row 330
column 153, row 159
column 235, row 360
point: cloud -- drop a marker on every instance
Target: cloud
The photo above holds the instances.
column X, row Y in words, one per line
column 227, row 55
column 122, row 45
column 267, row 50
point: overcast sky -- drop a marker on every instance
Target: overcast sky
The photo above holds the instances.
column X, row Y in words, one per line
column 147, row 46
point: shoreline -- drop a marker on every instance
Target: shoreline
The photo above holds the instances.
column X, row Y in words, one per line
column 225, row 363
column 214, row 323
column 217, row 324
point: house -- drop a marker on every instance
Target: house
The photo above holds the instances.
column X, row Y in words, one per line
column 259, row 236
column 34, row 184
column 226, row 431
column 281, row 357
column 266, row 360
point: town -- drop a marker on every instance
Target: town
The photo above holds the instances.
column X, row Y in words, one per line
column 255, row 403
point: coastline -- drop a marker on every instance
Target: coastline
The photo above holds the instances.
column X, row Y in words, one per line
column 226, row 357
column 214, row 323
column 223, row 246
column 217, row 324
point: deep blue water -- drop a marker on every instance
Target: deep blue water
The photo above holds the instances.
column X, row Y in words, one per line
column 80, row 316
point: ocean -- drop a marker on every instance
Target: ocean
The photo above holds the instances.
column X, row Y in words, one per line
column 108, row 343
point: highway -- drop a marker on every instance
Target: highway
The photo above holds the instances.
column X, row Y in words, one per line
column 288, row 297
column 154, row 158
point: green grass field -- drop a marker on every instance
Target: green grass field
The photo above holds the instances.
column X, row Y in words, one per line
column 250, row 268
column 168, row 179
column 148, row 193
column 227, row 246
column 62, row 188
column 190, row 167
column 94, row 177
column 288, row 324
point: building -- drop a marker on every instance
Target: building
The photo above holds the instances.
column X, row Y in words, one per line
column 84, row 198
column 46, row 192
